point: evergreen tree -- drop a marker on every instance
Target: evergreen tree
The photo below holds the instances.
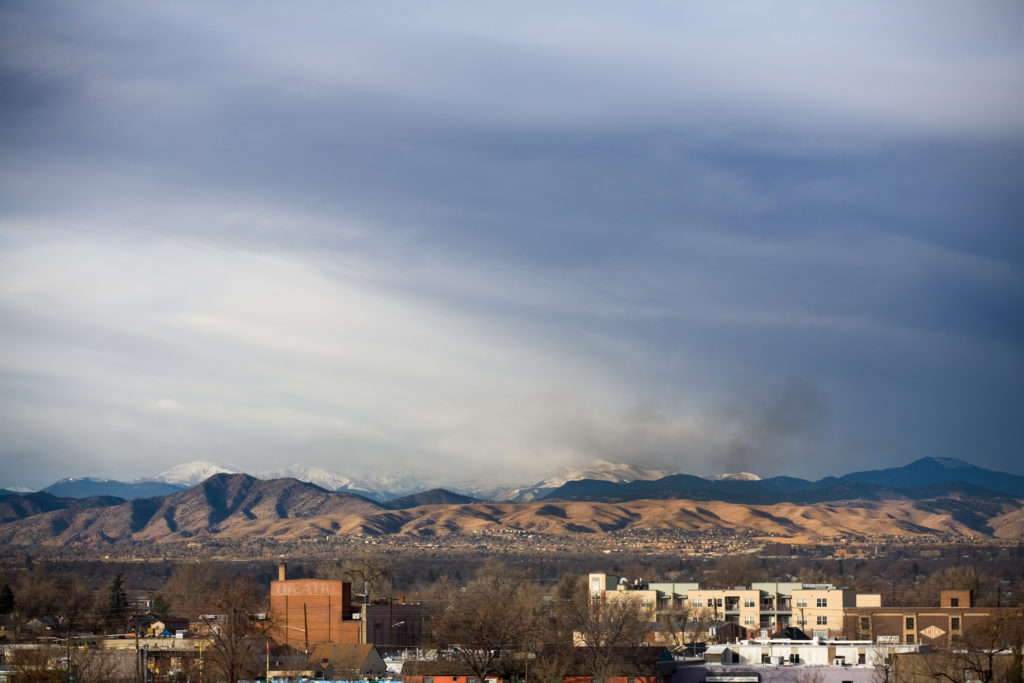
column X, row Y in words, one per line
column 6, row 599
column 117, row 599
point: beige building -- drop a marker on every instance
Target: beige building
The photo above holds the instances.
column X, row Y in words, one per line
column 760, row 609
column 818, row 610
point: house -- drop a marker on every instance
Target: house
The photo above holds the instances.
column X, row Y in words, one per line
column 449, row 671
column 168, row 627
column 346, row 661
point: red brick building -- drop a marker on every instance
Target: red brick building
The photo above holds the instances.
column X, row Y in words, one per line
column 312, row 611
column 944, row 626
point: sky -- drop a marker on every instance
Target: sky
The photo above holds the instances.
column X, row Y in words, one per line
column 491, row 241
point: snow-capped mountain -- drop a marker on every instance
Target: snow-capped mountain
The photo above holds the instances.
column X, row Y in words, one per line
column 332, row 481
column 190, row 473
column 381, row 488
column 600, row 470
column 735, row 476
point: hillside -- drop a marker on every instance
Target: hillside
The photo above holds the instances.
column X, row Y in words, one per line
column 15, row 506
column 236, row 506
column 431, row 497
column 922, row 479
column 220, row 503
column 91, row 487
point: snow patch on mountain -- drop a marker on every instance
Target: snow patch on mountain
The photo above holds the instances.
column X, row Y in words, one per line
column 600, row 470
column 735, row 476
column 326, row 479
column 190, row 473
column 950, row 463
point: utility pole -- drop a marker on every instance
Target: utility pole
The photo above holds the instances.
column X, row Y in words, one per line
column 305, row 626
column 138, row 653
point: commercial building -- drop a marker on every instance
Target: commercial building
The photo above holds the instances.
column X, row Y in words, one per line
column 761, row 609
column 821, row 611
column 951, row 623
column 306, row 612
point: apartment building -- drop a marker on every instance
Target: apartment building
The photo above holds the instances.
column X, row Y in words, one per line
column 819, row 610
column 760, row 609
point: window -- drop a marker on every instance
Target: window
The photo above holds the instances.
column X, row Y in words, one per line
column 822, row 620
column 822, row 602
column 865, row 623
column 910, row 623
column 794, row 658
column 698, row 602
column 748, row 620
column 748, row 602
column 954, row 624
column 801, row 602
column 910, row 639
column 954, row 602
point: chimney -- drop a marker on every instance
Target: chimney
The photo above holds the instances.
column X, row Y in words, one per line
column 280, row 571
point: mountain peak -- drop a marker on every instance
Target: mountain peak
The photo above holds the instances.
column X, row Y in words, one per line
column 191, row 473
column 734, row 476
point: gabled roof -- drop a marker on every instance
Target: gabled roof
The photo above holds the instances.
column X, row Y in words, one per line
column 347, row 657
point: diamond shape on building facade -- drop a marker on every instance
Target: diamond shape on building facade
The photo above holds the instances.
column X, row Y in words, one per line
column 932, row 632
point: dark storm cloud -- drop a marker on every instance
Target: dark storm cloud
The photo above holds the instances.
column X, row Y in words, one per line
column 612, row 224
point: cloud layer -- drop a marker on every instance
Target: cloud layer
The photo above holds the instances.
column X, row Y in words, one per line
column 486, row 243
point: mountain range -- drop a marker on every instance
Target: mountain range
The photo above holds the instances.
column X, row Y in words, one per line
column 927, row 496
column 607, row 482
column 238, row 506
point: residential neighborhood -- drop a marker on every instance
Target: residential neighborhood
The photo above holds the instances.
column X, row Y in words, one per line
column 501, row 627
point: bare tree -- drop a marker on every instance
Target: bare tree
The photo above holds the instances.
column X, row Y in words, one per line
column 883, row 663
column 369, row 571
column 97, row 665
column 732, row 571
column 236, row 639
column 492, row 617
column 188, row 590
column 607, row 626
column 36, row 664
column 985, row 653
